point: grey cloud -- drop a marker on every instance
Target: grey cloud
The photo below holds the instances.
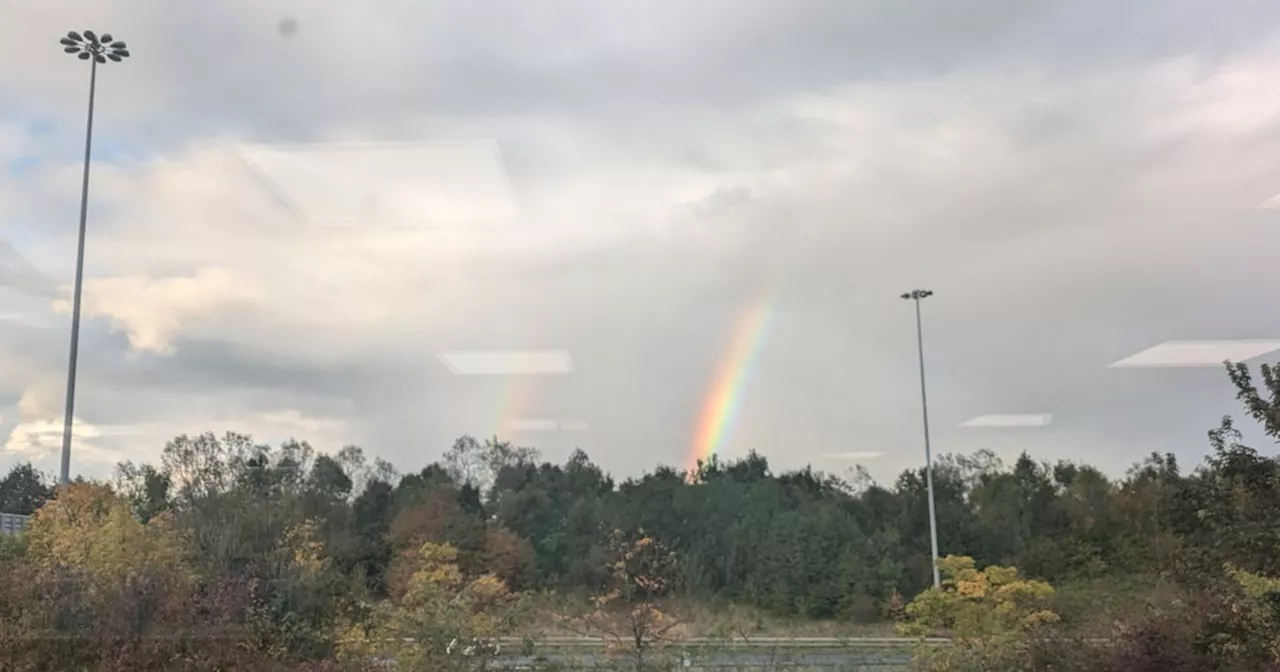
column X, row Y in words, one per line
column 382, row 67
column 1040, row 165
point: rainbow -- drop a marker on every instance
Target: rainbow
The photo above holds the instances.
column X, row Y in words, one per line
column 513, row 401
column 723, row 401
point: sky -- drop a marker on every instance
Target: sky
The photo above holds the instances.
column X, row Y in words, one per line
column 695, row 220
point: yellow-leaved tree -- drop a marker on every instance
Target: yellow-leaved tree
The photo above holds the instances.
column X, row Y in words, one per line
column 95, row 580
column 442, row 622
column 1258, row 612
column 976, row 603
column 986, row 613
column 90, row 529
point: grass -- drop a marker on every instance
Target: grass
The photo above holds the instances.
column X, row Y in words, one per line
column 1088, row 608
column 699, row 618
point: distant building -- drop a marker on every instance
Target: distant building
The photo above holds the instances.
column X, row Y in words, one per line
column 12, row 523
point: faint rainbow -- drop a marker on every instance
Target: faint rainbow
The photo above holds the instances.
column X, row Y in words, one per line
column 510, row 406
column 729, row 387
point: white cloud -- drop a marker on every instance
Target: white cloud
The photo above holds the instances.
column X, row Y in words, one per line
column 1237, row 97
column 96, row 449
column 39, row 439
column 152, row 312
column 43, row 399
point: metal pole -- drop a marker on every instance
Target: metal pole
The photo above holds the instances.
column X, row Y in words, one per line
column 928, row 453
column 75, row 303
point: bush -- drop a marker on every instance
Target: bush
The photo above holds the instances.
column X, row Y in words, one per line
column 1232, row 624
column 1092, row 607
column 978, row 604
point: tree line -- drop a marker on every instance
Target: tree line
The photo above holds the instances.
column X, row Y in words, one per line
column 291, row 552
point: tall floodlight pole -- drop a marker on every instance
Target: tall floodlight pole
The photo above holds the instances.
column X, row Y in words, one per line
column 917, row 295
column 97, row 50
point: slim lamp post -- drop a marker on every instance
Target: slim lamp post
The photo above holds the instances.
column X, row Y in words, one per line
column 97, row 50
column 918, row 295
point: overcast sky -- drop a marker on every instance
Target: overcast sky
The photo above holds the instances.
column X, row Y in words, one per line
column 628, row 181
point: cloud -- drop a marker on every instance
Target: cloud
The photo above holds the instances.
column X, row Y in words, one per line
column 152, row 312
column 303, row 425
column 671, row 166
column 39, row 401
column 38, row 440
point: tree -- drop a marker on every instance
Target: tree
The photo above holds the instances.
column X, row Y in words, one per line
column 92, row 530
column 97, row 589
column 466, row 462
column 279, row 549
column 1261, row 405
column 145, row 486
column 1146, row 504
column 1225, row 511
column 561, row 510
column 438, row 515
column 329, row 481
column 249, row 516
column 973, row 604
column 472, row 463
column 371, row 514
column 508, row 557
column 629, row 611
column 442, row 621
column 23, row 490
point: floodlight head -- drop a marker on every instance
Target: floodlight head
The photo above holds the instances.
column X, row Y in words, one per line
column 88, row 45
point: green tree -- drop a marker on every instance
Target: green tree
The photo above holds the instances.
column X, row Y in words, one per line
column 23, row 490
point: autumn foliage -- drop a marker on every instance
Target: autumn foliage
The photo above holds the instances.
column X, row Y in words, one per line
column 227, row 554
column 975, row 603
column 442, row 621
column 629, row 611
column 237, row 556
column 99, row 590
